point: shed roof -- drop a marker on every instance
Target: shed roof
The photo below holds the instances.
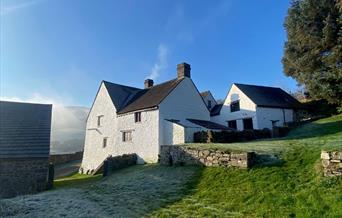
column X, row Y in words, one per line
column 209, row 125
column 265, row 96
column 24, row 130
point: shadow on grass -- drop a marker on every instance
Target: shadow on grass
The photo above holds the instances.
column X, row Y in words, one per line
column 313, row 130
column 268, row 160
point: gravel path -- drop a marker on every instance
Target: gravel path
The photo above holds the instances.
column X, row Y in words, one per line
column 66, row 169
column 132, row 192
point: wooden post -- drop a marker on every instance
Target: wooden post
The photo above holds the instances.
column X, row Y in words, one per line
column 105, row 168
column 51, row 175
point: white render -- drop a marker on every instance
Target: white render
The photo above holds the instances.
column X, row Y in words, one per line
column 247, row 109
column 165, row 120
column 265, row 115
column 147, row 135
column 208, row 98
column 262, row 116
column 94, row 153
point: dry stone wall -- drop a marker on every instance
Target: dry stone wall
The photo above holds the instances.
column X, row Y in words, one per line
column 22, row 176
column 332, row 163
column 65, row 158
column 183, row 155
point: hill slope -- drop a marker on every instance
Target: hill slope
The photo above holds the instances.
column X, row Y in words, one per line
column 295, row 188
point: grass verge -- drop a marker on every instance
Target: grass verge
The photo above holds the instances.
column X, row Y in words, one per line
column 294, row 189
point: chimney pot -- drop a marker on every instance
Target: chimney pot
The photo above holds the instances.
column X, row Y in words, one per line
column 148, row 83
column 183, row 70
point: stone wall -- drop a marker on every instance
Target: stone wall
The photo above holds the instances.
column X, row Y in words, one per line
column 118, row 162
column 22, row 176
column 332, row 163
column 64, row 158
column 183, row 155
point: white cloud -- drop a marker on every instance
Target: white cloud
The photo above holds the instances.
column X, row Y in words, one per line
column 7, row 9
column 161, row 63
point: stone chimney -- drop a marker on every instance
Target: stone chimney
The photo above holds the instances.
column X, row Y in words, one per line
column 148, row 83
column 183, row 70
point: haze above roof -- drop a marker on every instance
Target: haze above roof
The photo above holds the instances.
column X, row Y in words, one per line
column 269, row 96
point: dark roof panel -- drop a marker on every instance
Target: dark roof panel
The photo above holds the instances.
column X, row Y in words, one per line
column 121, row 95
column 24, row 130
column 209, row 124
column 264, row 96
column 151, row 97
column 216, row 110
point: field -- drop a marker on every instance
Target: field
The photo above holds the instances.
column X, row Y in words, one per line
column 293, row 188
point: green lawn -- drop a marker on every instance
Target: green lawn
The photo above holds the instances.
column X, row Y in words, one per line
column 294, row 189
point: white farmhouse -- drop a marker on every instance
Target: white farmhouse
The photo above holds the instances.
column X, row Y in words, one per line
column 255, row 107
column 126, row 120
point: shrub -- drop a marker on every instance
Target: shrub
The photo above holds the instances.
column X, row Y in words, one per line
column 280, row 131
column 230, row 136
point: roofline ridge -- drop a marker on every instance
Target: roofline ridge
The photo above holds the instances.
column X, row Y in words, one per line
column 257, row 85
column 105, row 81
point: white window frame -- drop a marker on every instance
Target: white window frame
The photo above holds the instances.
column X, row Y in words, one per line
column 128, row 137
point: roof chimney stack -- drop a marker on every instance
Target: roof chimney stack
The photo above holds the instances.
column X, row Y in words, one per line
column 183, row 70
column 148, row 83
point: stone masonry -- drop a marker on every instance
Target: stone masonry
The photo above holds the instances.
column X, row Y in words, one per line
column 183, row 155
column 332, row 163
column 22, row 176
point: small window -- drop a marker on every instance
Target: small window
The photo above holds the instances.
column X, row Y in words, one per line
column 209, row 104
column 137, row 117
column 232, row 124
column 248, row 123
column 127, row 136
column 99, row 118
column 104, row 143
column 235, row 106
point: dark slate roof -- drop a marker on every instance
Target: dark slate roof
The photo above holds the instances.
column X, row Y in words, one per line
column 121, row 95
column 264, row 96
column 216, row 110
column 209, row 124
column 151, row 97
column 24, row 130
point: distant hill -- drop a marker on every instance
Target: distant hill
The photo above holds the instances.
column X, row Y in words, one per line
column 68, row 129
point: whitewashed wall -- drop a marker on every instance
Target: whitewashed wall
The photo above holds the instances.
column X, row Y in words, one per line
column 265, row 115
column 94, row 153
column 247, row 109
column 184, row 102
column 175, row 134
column 145, row 136
column 211, row 98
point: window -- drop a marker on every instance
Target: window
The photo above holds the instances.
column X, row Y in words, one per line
column 104, row 142
column 247, row 123
column 127, row 136
column 235, row 106
column 232, row 124
column 99, row 118
column 209, row 104
column 137, row 117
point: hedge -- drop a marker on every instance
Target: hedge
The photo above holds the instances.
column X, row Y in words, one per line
column 231, row 136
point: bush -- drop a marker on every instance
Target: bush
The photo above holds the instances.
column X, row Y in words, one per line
column 230, row 136
column 280, row 131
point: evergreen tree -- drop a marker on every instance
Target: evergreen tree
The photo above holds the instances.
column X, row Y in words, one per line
column 313, row 51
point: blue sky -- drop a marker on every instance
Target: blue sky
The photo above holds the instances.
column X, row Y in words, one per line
column 60, row 50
